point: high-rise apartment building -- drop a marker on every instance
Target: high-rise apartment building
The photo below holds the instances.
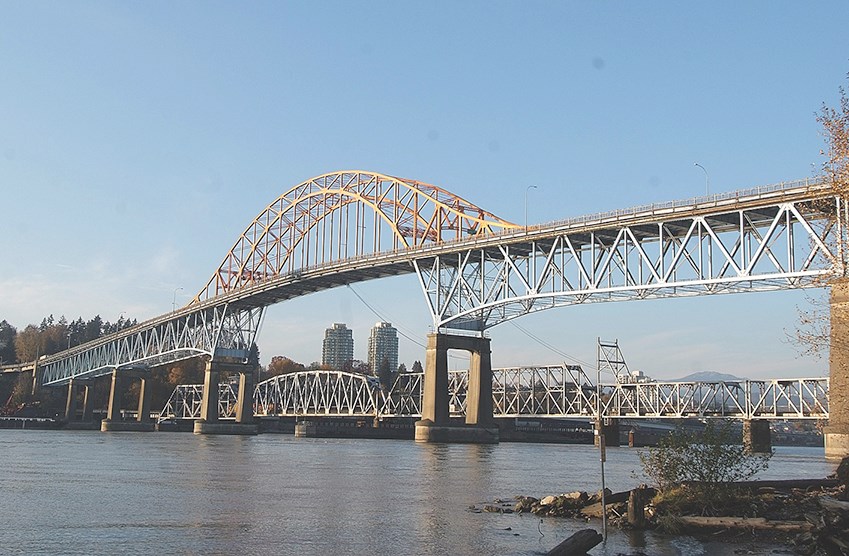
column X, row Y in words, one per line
column 383, row 344
column 338, row 346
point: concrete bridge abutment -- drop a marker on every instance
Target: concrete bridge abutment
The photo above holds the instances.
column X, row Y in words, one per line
column 209, row 423
column 836, row 433
column 436, row 425
column 114, row 421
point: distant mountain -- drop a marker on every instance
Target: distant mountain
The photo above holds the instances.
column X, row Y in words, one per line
column 707, row 376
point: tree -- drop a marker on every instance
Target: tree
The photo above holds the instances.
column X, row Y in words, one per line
column 7, row 343
column 385, row 374
column 712, row 456
column 813, row 333
column 280, row 365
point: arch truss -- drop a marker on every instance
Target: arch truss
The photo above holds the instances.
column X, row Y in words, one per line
column 776, row 237
column 341, row 216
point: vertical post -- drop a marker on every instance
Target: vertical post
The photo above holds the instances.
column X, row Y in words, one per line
column 435, row 395
column 209, row 404
column 479, row 394
column 88, row 402
column 113, row 413
column 836, row 434
column 71, row 402
column 144, row 401
column 245, row 402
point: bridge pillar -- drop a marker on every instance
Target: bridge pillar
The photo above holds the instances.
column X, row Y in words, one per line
column 208, row 422
column 113, row 422
column 144, row 401
column 756, row 436
column 36, row 379
column 71, row 402
column 245, row 400
column 609, row 429
column 837, row 432
column 88, row 402
column 435, row 425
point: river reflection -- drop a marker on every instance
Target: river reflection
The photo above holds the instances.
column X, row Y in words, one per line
column 176, row 493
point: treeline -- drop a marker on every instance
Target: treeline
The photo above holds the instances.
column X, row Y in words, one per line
column 52, row 336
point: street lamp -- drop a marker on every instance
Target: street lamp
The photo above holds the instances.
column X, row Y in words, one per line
column 602, row 450
column 526, row 204
column 174, row 303
column 707, row 179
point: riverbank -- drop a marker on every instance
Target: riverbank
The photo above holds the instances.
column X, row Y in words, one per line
column 808, row 516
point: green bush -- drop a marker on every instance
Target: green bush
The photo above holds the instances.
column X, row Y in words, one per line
column 712, row 456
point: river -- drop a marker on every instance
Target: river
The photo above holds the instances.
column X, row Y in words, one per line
column 86, row 492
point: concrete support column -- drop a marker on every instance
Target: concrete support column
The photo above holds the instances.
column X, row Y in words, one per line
column 113, row 412
column 837, row 432
column 71, row 402
column 245, row 402
column 36, row 379
column 435, row 425
column 88, row 402
column 609, row 428
column 209, row 403
column 435, row 395
column 144, row 401
column 479, row 396
column 756, row 436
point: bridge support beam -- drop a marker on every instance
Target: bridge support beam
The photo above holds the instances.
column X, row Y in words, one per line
column 837, row 432
column 609, row 429
column 756, row 436
column 208, row 422
column 113, row 421
column 88, row 402
column 435, row 425
column 71, row 402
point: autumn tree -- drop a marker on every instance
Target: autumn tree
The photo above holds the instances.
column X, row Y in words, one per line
column 812, row 334
column 7, row 343
column 280, row 365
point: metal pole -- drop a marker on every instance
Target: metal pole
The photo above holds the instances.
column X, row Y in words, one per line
column 526, row 204
column 602, row 452
column 707, row 178
column 174, row 303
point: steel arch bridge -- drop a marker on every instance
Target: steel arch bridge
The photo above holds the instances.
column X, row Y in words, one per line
column 475, row 269
column 556, row 391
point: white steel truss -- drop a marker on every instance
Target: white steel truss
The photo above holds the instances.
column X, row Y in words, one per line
column 557, row 391
column 779, row 237
column 185, row 402
column 218, row 332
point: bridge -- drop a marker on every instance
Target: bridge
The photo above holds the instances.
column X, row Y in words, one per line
column 477, row 271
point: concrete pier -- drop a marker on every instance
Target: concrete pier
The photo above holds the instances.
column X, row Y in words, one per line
column 71, row 402
column 435, row 425
column 609, row 428
column 837, row 432
column 209, row 422
column 113, row 421
column 756, row 436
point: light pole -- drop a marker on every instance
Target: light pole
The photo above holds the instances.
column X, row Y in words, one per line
column 526, row 204
column 174, row 303
column 602, row 451
column 707, row 179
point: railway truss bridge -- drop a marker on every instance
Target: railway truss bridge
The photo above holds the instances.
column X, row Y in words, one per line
column 475, row 271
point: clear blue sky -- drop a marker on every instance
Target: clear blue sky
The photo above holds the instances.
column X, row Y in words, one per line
column 139, row 139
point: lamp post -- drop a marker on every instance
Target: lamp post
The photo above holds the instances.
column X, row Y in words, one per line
column 707, row 178
column 174, row 302
column 526, row 204
column 602, row 451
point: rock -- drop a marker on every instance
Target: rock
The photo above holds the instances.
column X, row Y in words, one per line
column 548, row 500
column 525, row 504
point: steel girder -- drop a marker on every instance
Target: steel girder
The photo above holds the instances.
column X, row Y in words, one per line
column 318, row 393
column 555, row 391
column 221, row 332
column 805, row 398
column 186, row 400
column 776, row 237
